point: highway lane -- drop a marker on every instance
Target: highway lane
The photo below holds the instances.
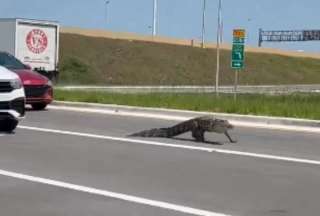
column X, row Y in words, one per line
column 24, row 198
column 264, row 141
column 229, row 184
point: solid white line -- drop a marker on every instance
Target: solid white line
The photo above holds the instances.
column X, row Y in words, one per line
column 121, row 139
column 188, row 147
column 119, row 113
column 267, row 156
column 291, row 128
column 105, row 193
column 183, row 118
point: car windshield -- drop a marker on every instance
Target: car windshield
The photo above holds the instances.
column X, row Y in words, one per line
column 10, row 62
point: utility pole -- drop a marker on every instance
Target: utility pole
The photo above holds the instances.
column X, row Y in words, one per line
column 106, row 4
column 219, row 37
column 203, row 23
column 155, row 16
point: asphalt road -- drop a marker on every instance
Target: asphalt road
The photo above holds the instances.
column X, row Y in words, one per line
column 83, row 164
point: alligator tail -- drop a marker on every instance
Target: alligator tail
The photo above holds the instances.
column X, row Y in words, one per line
column 181, row 128
column 168, row 132
column 156, row 132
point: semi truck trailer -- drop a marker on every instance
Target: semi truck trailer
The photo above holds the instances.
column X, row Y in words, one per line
column 33, row 42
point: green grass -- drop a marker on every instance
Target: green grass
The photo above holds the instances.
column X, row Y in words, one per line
column 89, row 60
column 295, row 105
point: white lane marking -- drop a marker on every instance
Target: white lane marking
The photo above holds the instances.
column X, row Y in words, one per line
column 105, row 193
column 183, row 118
column 188, row 147
column 121, row 139
column 267, row 156
column 4, row 134
column 304, row 129
column 119, row 113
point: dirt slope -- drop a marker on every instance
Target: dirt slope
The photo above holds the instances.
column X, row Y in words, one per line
column 184, row 42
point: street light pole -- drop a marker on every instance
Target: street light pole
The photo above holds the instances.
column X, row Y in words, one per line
column 203, row 23
column 155, row 15
column 106, row 4
column 219, row 37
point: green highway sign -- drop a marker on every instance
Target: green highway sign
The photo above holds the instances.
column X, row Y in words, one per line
column 237, row 40
column 237, row 52
column 238, row 49
column 237, row 64
column 237, row 61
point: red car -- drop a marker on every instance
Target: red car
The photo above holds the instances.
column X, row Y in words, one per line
column 38, row 88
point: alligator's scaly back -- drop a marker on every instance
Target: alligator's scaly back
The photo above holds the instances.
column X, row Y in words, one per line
column 198, row 126
column 210, row 124
column 167, row 132
column 182, row 127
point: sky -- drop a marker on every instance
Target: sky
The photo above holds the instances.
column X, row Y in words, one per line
column 177, row 18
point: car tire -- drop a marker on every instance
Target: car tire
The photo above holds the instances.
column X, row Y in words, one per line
column 8, row 125
column 39, row 106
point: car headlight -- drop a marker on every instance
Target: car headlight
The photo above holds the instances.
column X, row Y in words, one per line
column 49, row 83
column 16, row 84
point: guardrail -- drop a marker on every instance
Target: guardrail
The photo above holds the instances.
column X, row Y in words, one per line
column 261, row 89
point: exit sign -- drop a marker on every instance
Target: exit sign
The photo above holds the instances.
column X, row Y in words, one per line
column 237, row 61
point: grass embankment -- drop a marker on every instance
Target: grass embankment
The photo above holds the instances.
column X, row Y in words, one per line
column 103, row 61
column 297, row 105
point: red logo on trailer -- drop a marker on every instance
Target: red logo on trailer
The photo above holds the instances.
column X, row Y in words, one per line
column 37, row 41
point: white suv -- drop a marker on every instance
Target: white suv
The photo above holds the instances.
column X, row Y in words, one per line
column 12, row 100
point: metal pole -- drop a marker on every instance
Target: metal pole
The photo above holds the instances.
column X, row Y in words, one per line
column 236, row 85
column 203, row 23
column 219, row 34
column 107, row 3
column 155, row 15
column 260, row 37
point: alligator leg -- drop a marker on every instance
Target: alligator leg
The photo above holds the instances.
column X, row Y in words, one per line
column 198, row 135
column 231, row 140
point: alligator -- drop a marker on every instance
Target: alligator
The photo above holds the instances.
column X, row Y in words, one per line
column 197, row 126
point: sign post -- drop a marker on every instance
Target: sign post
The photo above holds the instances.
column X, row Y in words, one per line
column 236, row 85
column 237, row 61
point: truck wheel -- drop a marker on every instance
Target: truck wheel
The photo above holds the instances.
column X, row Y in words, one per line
column 8, row 125
column 39, row 106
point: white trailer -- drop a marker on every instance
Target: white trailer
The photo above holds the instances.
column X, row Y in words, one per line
column 34, row 42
